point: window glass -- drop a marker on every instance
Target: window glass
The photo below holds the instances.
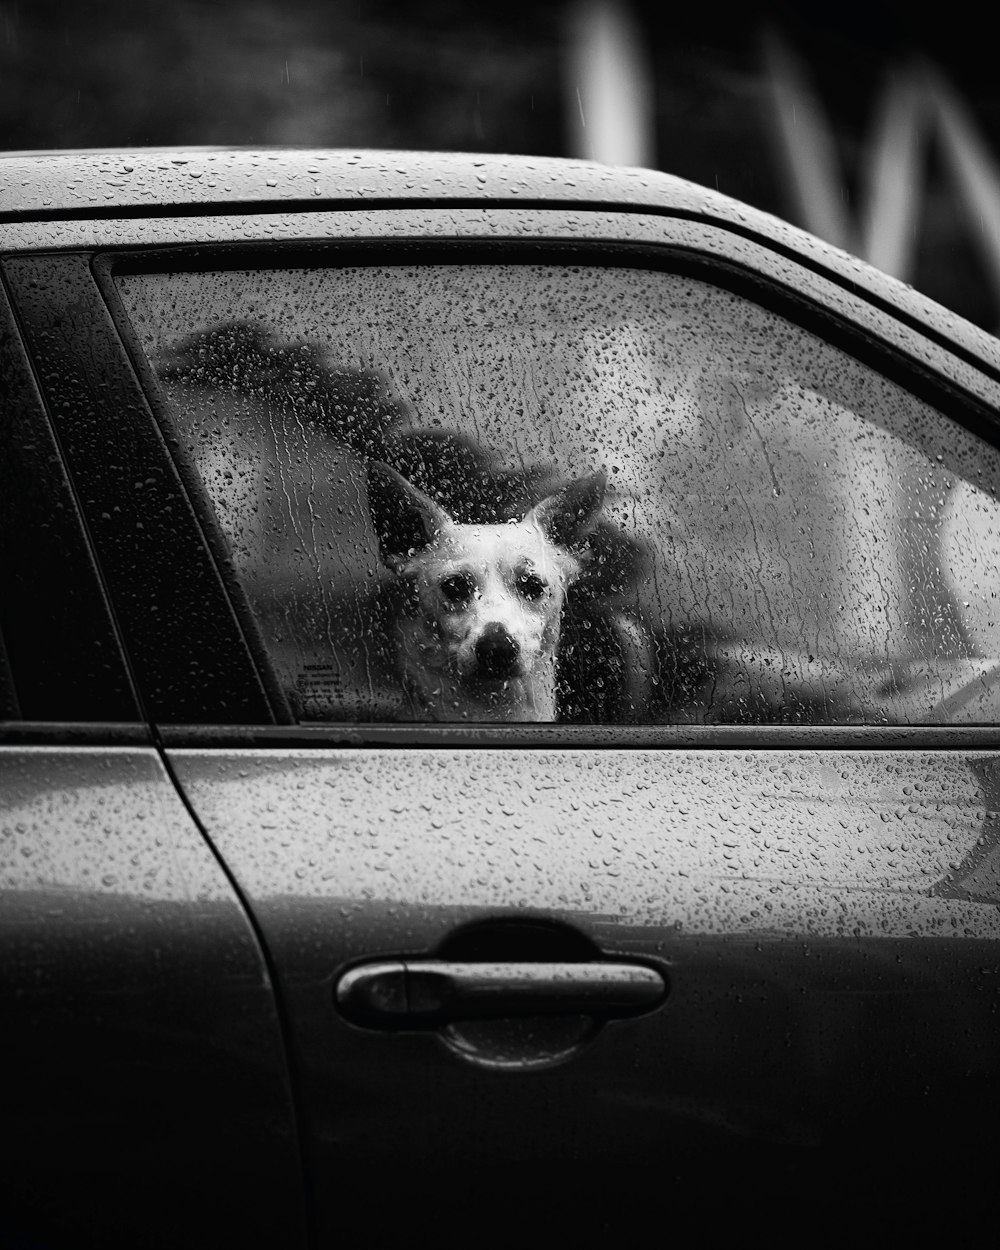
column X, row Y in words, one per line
column 783, row 534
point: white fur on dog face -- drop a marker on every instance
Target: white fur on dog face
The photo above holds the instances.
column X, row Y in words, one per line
column 475, row 576
column 480, row 636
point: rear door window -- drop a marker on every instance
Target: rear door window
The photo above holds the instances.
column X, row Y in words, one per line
column 785, row 535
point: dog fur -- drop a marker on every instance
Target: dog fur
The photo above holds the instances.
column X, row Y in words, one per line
column 477, row 633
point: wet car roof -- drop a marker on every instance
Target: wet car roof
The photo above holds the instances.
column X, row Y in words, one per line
column 66, row 182
column 66, row 185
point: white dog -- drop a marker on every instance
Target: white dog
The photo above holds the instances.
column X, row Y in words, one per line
column 478, row 633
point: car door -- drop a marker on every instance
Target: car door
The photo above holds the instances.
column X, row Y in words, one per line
column 759, row 845
column 145, row 1099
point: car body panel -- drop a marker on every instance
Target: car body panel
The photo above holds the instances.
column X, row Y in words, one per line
column 648, row 836
column 827, row 922
column 133, row 985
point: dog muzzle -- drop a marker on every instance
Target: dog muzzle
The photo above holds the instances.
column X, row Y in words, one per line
column 497, row 654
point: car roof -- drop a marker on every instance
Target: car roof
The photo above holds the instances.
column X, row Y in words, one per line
column 86, row 180
column 157, row 182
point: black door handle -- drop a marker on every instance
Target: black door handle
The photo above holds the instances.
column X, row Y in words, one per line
column 428, row 993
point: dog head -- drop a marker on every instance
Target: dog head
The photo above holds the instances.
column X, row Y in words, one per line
column 480, row 635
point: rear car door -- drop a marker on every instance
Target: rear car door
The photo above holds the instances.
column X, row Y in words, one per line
column 772, row 786
column 145, row 1099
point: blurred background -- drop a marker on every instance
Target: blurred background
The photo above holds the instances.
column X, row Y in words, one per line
column 876, row 125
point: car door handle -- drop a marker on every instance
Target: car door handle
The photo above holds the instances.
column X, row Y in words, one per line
column 427, row 993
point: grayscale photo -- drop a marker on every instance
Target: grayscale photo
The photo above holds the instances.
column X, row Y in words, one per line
column 499, row 625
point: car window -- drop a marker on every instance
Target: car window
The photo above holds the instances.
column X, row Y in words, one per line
column 784, row 534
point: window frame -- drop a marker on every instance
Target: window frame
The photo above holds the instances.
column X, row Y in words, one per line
column 148, row 544
column 63, row 670
column 802, row 307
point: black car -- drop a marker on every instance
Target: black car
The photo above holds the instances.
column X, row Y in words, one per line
column 707, row 949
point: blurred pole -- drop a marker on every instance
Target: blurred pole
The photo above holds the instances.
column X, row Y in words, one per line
column 607, row 86
column 892, row 173
column 916, row 105
column 973, row 169
column 806, row 149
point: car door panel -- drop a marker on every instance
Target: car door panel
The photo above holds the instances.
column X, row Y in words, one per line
column 829, row 965
column 146, row 1082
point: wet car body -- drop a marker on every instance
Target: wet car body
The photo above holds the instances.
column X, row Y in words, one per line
column 235, row 933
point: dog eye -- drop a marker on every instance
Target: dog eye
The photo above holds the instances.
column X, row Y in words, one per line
column 458, row 588
column 530, row 586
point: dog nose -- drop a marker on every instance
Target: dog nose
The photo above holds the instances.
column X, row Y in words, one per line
column 496, row 652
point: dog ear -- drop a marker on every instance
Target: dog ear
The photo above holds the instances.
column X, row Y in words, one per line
column 569, row 515
column 405, row 519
